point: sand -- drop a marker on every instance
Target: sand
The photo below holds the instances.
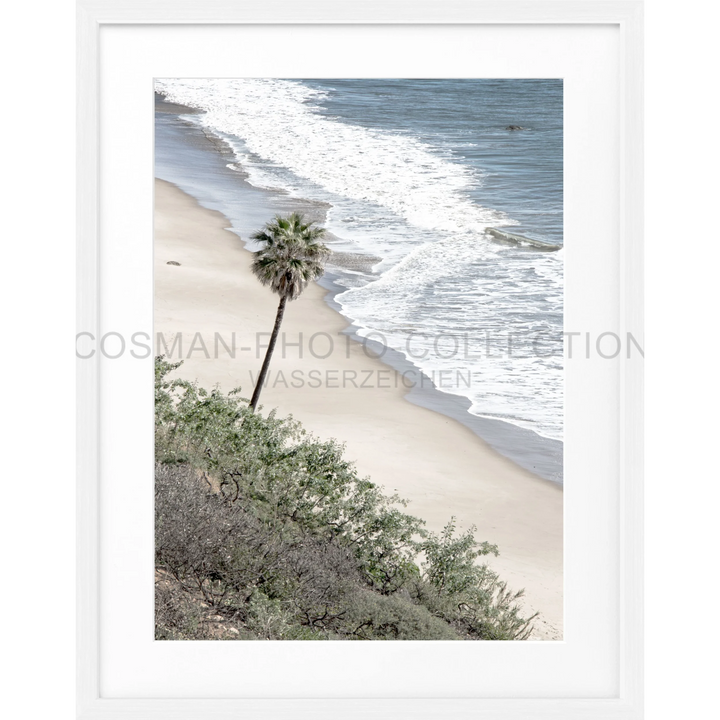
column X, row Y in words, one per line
column 441, row 467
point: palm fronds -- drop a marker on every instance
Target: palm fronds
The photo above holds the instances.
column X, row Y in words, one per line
column 292, row 254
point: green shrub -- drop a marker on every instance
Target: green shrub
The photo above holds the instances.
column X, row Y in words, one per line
column 273, row 528
column 372, row 616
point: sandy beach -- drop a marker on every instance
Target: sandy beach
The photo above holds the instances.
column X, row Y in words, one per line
column 336, row 389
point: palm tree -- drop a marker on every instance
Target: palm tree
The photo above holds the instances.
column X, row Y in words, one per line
column 290, row 257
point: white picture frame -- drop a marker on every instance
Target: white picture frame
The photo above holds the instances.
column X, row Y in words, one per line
column 627, row 17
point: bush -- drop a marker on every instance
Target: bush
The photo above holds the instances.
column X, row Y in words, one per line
column 371, row 616
column 466, row 594
column 272, row 528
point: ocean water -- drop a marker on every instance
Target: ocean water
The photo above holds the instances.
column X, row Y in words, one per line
column 414, row 173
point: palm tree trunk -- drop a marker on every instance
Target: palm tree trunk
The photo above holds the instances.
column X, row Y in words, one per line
column 268, row 354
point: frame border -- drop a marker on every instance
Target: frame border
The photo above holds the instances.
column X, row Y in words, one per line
column 628, row 15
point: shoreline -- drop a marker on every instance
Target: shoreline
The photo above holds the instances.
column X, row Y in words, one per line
column 540, row 455
column 439, row 464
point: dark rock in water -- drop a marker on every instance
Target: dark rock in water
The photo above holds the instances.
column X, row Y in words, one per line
column 514, row 127
column 172, row 262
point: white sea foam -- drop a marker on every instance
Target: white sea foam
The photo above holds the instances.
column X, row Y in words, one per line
column 477, row 309
column 408, row 203
column 278, row 121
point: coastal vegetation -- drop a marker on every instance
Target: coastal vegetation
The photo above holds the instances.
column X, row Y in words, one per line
column 266, row 532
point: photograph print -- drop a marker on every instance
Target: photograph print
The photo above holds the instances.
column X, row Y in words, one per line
column 358, row 340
